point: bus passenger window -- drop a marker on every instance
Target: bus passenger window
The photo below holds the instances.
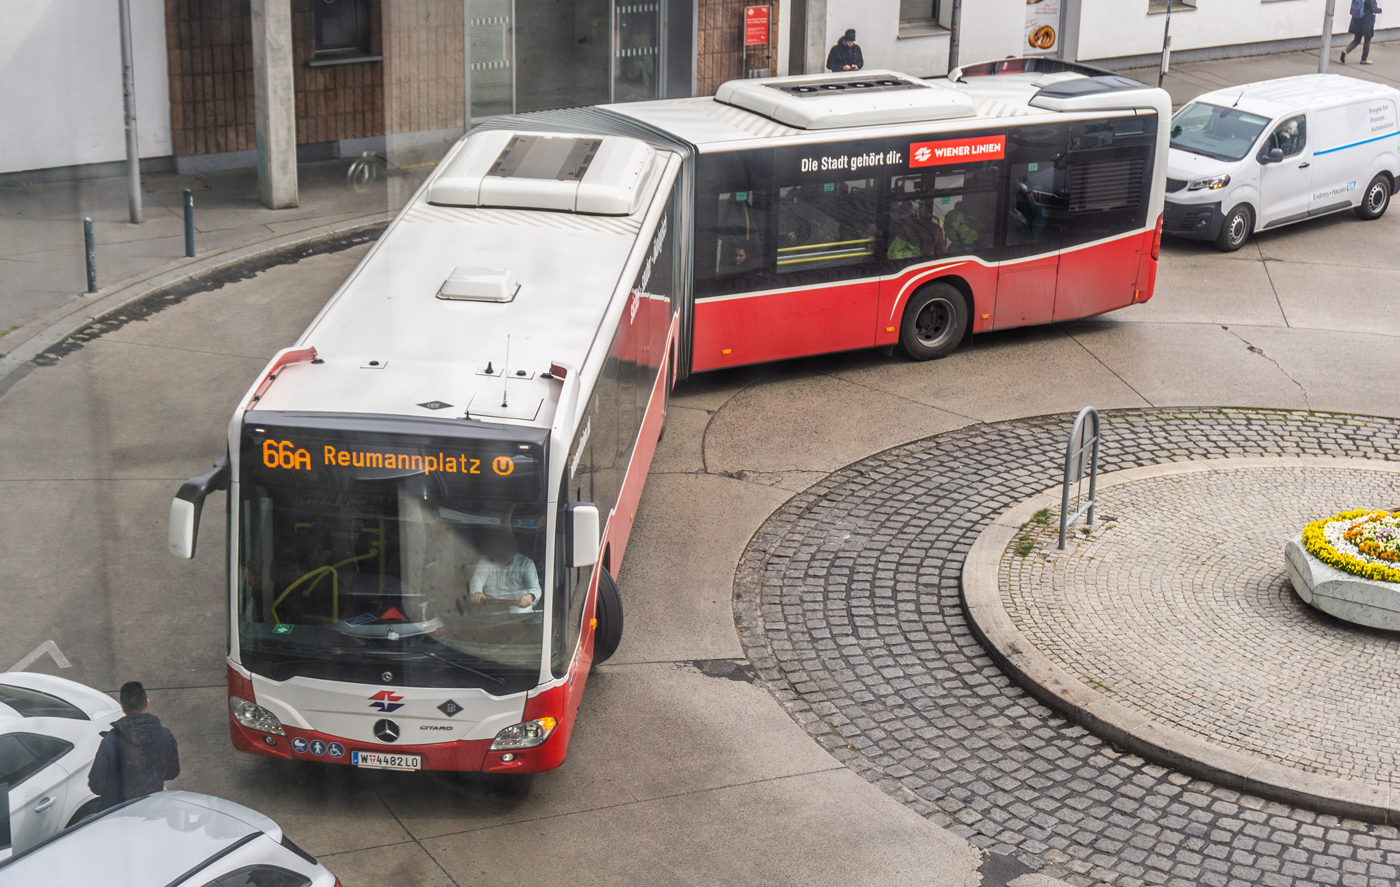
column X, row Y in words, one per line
column 1035, row 210
column 826, row 225
column 942, row 213
column 740, row 231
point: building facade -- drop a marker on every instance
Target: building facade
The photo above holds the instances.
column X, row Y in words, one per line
column 370, row 75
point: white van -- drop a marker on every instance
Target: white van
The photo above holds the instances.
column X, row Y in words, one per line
column 1262, row 155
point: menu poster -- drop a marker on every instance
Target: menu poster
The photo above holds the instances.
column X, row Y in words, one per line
column 1042, row 26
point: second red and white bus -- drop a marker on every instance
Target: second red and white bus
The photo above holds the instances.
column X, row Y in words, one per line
column 431, row 491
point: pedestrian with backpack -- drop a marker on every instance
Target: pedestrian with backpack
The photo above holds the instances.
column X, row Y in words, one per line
column 137, row 755
column 1363, row 26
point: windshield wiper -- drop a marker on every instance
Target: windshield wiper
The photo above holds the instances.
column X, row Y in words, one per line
column 463, row 666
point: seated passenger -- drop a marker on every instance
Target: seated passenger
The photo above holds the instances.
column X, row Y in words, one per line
column 503, row 573
column 961, row 230
column 912, row 235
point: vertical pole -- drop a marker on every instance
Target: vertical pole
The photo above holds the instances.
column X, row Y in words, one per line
column 90, row 250
column 133, row 151
column 274, row 113
column 1322, row 57
column 1166, row 46
column 954, row 34
column 189, row 223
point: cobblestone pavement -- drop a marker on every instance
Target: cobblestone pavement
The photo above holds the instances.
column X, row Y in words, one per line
column 847, row 602
column 1179, row 607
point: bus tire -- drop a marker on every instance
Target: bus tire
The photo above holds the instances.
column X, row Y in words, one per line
column 1235, row 230
column 609, row 615
column 1377, row 199
column 934, row 323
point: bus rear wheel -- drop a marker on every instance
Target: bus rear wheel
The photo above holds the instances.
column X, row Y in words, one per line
column 609, row 615
column 934, row 323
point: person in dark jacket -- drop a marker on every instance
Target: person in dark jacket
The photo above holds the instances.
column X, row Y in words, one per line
column 845, row 55
column 1363, row 27
column 137, row 755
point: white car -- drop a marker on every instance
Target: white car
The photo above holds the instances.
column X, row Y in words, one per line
column 169, row 839
column 50, row 729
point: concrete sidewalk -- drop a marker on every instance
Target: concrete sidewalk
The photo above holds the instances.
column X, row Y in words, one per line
column 41, row 229
column 1190, row 79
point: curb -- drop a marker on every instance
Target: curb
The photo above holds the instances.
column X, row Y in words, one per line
column 1100, row 715
column 36, row 337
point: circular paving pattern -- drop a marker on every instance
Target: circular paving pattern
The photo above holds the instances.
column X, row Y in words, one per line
column 848, row 604
column 1177, row 608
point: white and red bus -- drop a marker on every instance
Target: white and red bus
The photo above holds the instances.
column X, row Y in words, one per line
column 431, row 491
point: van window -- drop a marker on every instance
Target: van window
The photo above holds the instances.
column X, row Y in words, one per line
column 1290, row 137
column 1222, row 133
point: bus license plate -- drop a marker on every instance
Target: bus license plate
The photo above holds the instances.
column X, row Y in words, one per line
column 381, row 761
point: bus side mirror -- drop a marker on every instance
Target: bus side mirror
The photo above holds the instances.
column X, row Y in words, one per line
column 1273, row 155
column 189, row 502
column 584, row 534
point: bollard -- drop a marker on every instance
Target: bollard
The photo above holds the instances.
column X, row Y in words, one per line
column 91, row 255
column 189, row 223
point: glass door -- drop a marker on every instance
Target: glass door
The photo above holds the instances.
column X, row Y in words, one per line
column 636, row 66
column 492, row 57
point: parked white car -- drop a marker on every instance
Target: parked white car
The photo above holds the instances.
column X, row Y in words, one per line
column 169, row 839
column 1263, row 155
column 50, row 729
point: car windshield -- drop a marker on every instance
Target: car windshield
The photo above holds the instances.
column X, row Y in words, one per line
column 415, row 573
column 1221, row 133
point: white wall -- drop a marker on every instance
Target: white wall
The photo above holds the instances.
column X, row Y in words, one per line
column 1113, row 28
column 61, row 71
column 877, row 33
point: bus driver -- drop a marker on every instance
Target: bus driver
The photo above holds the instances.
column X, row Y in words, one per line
column 504, row 574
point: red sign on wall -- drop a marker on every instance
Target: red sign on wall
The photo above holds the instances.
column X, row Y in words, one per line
column 959, row 151
column 756, row 25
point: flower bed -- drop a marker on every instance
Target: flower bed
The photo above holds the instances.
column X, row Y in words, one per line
column 1363, row 543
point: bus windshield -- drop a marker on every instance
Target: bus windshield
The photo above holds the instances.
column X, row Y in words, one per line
column 353, row 573
column 1221, row 133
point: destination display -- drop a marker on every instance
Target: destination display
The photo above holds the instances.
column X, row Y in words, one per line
column 322, row 457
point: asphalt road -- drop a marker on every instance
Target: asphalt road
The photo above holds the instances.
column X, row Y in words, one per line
column 683, row 769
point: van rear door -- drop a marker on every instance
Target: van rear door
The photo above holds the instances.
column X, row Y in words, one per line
column 1348, row 139
column 1285, row 187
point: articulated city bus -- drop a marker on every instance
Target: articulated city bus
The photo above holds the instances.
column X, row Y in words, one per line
column 431, row 491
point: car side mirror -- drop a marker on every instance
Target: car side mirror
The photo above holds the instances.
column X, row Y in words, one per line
column 185, row 508
column 1273, row 155
column 583, row 534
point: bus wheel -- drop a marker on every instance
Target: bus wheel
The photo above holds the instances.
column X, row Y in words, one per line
column 1377, row 199
column 1236, row 229
column 934, row 322
column 609, row 613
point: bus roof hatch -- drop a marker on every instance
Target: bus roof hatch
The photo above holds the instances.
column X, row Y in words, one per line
column 596, row 175
column 842, row 100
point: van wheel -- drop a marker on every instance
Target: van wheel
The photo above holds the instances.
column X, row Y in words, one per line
column 1236, row 230
column 1377, row 199
column 934, row 323
column 609, row 614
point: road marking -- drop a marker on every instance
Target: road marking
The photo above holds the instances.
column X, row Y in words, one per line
column 46, row 647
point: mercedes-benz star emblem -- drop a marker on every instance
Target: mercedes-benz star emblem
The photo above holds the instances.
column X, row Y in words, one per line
column 386, row 730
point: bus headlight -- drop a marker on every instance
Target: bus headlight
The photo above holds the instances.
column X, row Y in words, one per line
column 255, row 717
column 526, row 735
column 1214, row 183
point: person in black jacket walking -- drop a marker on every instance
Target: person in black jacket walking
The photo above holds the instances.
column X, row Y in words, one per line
column 845, row 55
column 1363, row 27
column 137, row 755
